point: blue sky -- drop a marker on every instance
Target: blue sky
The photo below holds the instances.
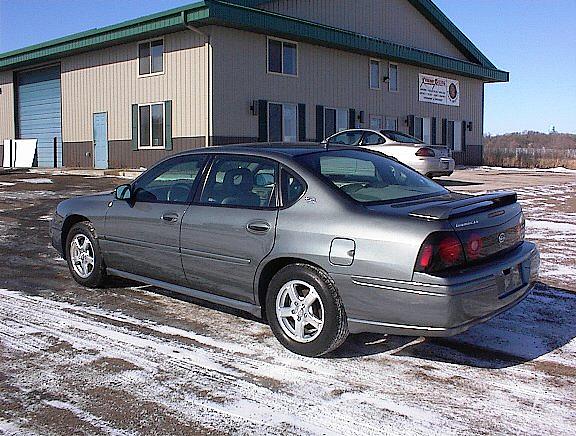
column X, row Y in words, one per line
column 533, row 39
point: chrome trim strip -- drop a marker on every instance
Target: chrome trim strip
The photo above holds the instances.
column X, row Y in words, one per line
column 214, row 256
column 410, row 291
column 134, row 242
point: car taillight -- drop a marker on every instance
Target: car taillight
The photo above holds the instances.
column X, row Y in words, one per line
column 474, row 246
column 440, row 251
column 425, row 152
column 521, row 228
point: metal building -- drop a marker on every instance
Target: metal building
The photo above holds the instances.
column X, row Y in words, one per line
column 218, row 72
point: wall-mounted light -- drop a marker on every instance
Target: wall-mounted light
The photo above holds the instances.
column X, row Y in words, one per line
column 361, row 117
column 385, row 79
column 469, row 126
column 254, row 107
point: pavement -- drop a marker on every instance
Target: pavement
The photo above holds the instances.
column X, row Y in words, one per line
column 131, row 359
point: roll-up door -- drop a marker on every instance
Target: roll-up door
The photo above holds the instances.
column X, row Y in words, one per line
column 40, row 113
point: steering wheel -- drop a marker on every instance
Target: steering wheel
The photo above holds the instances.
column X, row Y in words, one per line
column 179, row 193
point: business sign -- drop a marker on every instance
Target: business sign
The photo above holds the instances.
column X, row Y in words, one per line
column 438, row 90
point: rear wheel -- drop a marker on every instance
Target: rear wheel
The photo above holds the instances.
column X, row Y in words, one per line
column 84, row 256
column 305, row 311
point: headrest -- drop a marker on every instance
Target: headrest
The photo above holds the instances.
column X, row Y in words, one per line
column 240, row 179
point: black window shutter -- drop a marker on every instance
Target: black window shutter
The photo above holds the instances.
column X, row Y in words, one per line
column 168, row 123
column 301, row 122
column 134, row 127
column 434, row 140
column 411, row 125
column 262, row 120
column 444, row 131
column 463, row 135
column 352, row 122
column 319, row 123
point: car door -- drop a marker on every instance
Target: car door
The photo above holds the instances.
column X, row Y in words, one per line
column 142, row 235
column 231, row 225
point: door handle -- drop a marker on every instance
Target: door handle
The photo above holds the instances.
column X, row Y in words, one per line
column 258, row 227
column 170, row 217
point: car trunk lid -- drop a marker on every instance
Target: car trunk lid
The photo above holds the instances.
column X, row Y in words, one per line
column 486, row 225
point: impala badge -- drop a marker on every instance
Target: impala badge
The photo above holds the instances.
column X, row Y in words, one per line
column 501, row 237
column 311, row 200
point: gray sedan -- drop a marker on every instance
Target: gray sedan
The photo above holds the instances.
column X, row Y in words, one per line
column 321, row 241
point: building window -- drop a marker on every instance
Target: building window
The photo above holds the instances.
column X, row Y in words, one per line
column 392, row 77
column 151, row 57
column 282, row 57
column 375, row 122
column 391, row 123
column 335, row 120
column 282, row 122
column 151, row 125
column 374, row 74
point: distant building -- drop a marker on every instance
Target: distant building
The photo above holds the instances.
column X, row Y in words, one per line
column 220, row 72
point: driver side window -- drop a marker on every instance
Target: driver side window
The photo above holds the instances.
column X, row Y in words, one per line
column 373, row 139
column 346, row 138
column 170, row 182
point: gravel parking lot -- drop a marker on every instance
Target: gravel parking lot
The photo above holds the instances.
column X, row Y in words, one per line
column 132, row 359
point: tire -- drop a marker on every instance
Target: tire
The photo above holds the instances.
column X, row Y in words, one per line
column 94, row 276
column 308, row 340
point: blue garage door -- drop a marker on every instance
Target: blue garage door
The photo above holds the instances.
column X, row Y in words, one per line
column 39, row 112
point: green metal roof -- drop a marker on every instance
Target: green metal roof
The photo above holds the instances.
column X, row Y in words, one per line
column 242, row 15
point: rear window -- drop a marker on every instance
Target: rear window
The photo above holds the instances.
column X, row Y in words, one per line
column 400, row 137
column 370, row 178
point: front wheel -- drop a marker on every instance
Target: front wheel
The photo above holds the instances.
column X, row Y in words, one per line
column 84, row 257
column 305, row 311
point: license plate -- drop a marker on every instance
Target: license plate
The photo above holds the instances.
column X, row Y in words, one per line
column 512, row 281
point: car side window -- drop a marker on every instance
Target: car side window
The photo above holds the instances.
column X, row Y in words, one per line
column 373, row 139
column 173, row 181
column 243, row 181
column 346, row 138
column 292, row 188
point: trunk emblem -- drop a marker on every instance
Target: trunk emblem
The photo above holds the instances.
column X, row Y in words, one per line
column 501, row 237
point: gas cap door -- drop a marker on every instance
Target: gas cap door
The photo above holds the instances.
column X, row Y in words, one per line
column 342, row 251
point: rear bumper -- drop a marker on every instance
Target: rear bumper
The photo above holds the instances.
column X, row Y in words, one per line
column 434, row 166
column 433, row 306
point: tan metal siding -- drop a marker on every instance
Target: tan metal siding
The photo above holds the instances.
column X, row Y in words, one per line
column 393, row 20
column 6, row 107
column 325, row 77
column 107, row 81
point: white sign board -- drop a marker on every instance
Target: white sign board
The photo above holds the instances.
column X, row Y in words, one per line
column 438, row 90
column 23, row 152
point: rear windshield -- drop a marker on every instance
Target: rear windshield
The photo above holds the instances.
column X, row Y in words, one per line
column 370, row 178
column 400, row 137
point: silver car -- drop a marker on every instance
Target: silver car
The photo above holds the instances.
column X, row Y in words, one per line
column 320, row 241
column 429, row 160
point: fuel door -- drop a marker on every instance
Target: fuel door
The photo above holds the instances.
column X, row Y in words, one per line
column 342, row 251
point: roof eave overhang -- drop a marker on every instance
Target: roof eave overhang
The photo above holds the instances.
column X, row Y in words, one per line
column 242, row 17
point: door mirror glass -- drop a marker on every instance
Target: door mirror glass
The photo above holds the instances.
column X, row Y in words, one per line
column 123, row 192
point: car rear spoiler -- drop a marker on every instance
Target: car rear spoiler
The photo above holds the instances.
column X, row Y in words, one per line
column 466, row 206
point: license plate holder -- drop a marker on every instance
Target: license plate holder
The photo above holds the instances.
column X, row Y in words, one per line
column 512, row 281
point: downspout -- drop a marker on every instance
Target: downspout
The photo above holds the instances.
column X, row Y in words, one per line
column 208, row 74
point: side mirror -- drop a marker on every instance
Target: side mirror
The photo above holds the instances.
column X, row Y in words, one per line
column 123, row 192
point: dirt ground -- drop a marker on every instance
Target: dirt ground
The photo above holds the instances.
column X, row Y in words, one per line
column 133, row 359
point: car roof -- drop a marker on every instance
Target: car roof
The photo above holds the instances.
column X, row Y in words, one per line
column 289, row 149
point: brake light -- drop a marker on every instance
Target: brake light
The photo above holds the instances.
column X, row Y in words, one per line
column 425, row 152
column 440, row 251
column 474, row 246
